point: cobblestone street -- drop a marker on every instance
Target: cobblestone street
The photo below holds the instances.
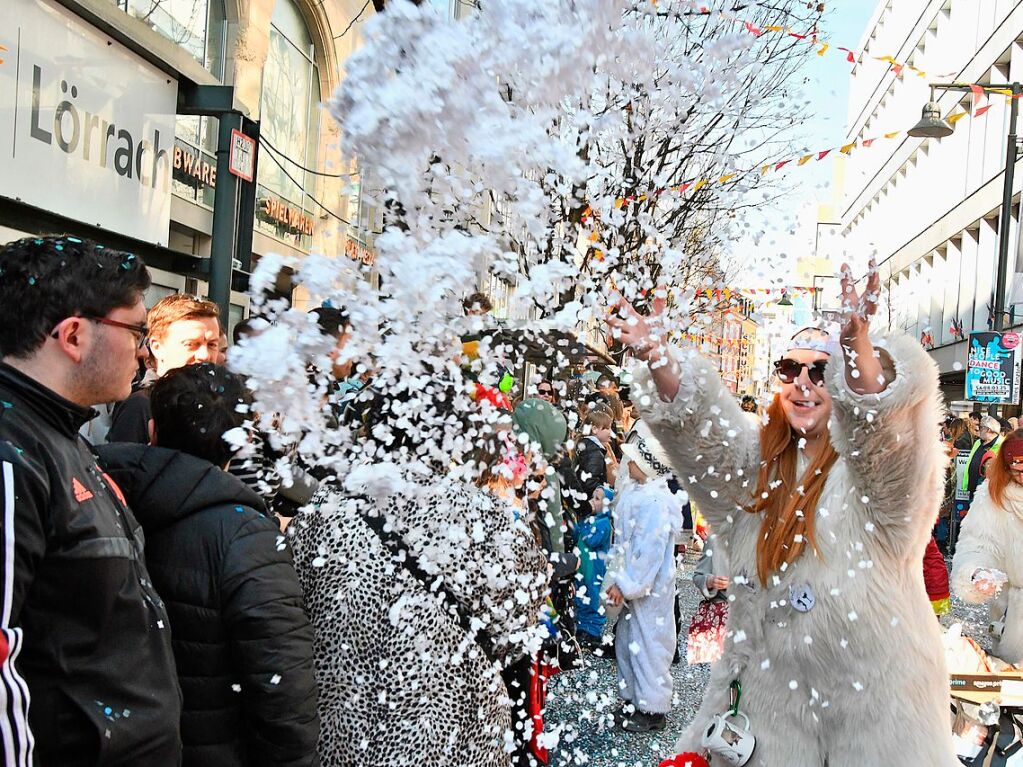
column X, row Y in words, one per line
column 581, row 701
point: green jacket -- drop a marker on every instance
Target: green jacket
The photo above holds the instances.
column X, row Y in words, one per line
column 545, row 426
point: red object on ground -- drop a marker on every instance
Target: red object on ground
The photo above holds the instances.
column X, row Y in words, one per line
column 538, row 677
column 688, row 759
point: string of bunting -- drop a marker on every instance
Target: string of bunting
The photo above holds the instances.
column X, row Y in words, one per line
column 811, row 38
column 981, row 107
column 700, row 338
column 727, row 293
column 694, row 185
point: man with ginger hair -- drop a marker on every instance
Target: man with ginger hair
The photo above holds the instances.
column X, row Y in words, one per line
column 183, row 330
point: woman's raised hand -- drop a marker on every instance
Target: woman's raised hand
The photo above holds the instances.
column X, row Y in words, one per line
column 864, row 371
column 643, row 335
column 857, row 309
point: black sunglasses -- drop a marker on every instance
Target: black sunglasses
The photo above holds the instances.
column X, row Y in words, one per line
column 788, row 370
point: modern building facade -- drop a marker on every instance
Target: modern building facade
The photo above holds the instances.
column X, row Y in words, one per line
column 94, row 96
column 928, row 209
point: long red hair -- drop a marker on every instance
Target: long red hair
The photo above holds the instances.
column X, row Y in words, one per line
column 790, row 507
column 998, row 477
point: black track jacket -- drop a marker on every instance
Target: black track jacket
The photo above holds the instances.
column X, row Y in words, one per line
column 86, row 668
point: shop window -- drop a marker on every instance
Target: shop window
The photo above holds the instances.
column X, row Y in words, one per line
column 289, row 130
column 198, row 26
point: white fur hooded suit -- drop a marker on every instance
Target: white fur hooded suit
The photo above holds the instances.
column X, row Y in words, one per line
column 840, row 657
column 647, row 519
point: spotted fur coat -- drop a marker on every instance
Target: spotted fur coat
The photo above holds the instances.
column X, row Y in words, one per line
column 839, row 656
column 400, row 682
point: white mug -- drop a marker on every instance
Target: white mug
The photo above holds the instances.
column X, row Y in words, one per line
column 728, row 740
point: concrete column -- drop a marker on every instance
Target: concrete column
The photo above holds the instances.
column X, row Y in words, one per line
column 968, row 282
column 987, row 259
column 953, row 260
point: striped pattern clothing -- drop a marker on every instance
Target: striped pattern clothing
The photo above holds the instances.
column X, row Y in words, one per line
column 86, row 668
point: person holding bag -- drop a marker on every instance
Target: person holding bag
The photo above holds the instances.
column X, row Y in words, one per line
column 833, row 655
column 706, row 641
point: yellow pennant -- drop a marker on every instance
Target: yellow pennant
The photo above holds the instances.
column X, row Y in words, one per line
column 805, row 159
column 953, row 119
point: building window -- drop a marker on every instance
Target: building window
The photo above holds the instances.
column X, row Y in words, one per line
column 198, row 26
column 289, row 129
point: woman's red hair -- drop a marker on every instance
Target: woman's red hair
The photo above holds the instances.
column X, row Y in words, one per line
column 998, row 476
column 790, row 507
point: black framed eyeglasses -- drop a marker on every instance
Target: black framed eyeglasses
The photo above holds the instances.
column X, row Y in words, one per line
column 142, row 330
column 788, row 370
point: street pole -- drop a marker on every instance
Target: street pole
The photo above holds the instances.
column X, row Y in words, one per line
column 1003, row 220
column 225, row 220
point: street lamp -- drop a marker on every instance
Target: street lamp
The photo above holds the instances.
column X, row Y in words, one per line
column 931, row 125
column 784, row 299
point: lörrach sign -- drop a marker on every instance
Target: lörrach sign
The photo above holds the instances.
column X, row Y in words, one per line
column 86, row 126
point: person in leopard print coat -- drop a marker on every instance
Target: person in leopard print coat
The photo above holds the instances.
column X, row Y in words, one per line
column 400, row 682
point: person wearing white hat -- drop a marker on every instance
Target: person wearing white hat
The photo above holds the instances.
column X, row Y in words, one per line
column 648, row 517
column 825, row 507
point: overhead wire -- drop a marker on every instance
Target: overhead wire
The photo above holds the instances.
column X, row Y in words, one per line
column 325, row 210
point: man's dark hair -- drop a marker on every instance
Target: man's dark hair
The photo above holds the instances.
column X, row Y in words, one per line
column 44, row 280
column 194, row 406
column 332, row 321
column 246, row 327
column 974, row 415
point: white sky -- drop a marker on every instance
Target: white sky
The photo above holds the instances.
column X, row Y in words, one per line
column 784, row 231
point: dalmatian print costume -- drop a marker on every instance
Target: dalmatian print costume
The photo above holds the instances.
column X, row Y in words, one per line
column 400, row 682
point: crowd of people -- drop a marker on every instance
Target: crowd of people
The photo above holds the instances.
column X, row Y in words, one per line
column 180, row 588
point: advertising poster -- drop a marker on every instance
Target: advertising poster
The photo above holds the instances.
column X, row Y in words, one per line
column 993, row 368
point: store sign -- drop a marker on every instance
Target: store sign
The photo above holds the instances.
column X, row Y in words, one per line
column 192, row 168
column 993, row 368
column 86, row 126
column 358, row 252
column 242, row 157
column 280, row 213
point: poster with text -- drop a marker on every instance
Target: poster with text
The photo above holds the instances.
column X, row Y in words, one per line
column 993, row 369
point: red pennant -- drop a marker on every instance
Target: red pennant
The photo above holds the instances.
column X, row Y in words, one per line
column 867, row 142
column 822, row 155
column 782, row 164
column 978, row 92
column 850, row 57
column 982, row 110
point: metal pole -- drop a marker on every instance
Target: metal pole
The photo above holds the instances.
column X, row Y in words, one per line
column 1003, row 221
column 225, row 219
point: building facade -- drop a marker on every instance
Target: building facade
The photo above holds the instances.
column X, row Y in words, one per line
column 73, row 70
column 929, row 209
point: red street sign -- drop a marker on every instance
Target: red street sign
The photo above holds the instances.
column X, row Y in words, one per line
column 242, row 157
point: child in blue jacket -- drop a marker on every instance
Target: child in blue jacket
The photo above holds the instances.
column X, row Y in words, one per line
column 593, row 542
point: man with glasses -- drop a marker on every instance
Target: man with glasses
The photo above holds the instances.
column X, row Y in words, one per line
column 183, row 330
column 85, row 654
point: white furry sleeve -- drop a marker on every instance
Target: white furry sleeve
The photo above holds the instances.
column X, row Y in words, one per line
column 890, row 440
column 713, row 446
column 979, row 546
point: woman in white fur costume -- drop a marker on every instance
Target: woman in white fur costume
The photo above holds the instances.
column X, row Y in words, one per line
column 825, row 511
column 988, row 564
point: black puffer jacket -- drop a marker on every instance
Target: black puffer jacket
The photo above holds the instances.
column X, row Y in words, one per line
column 242, row 641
